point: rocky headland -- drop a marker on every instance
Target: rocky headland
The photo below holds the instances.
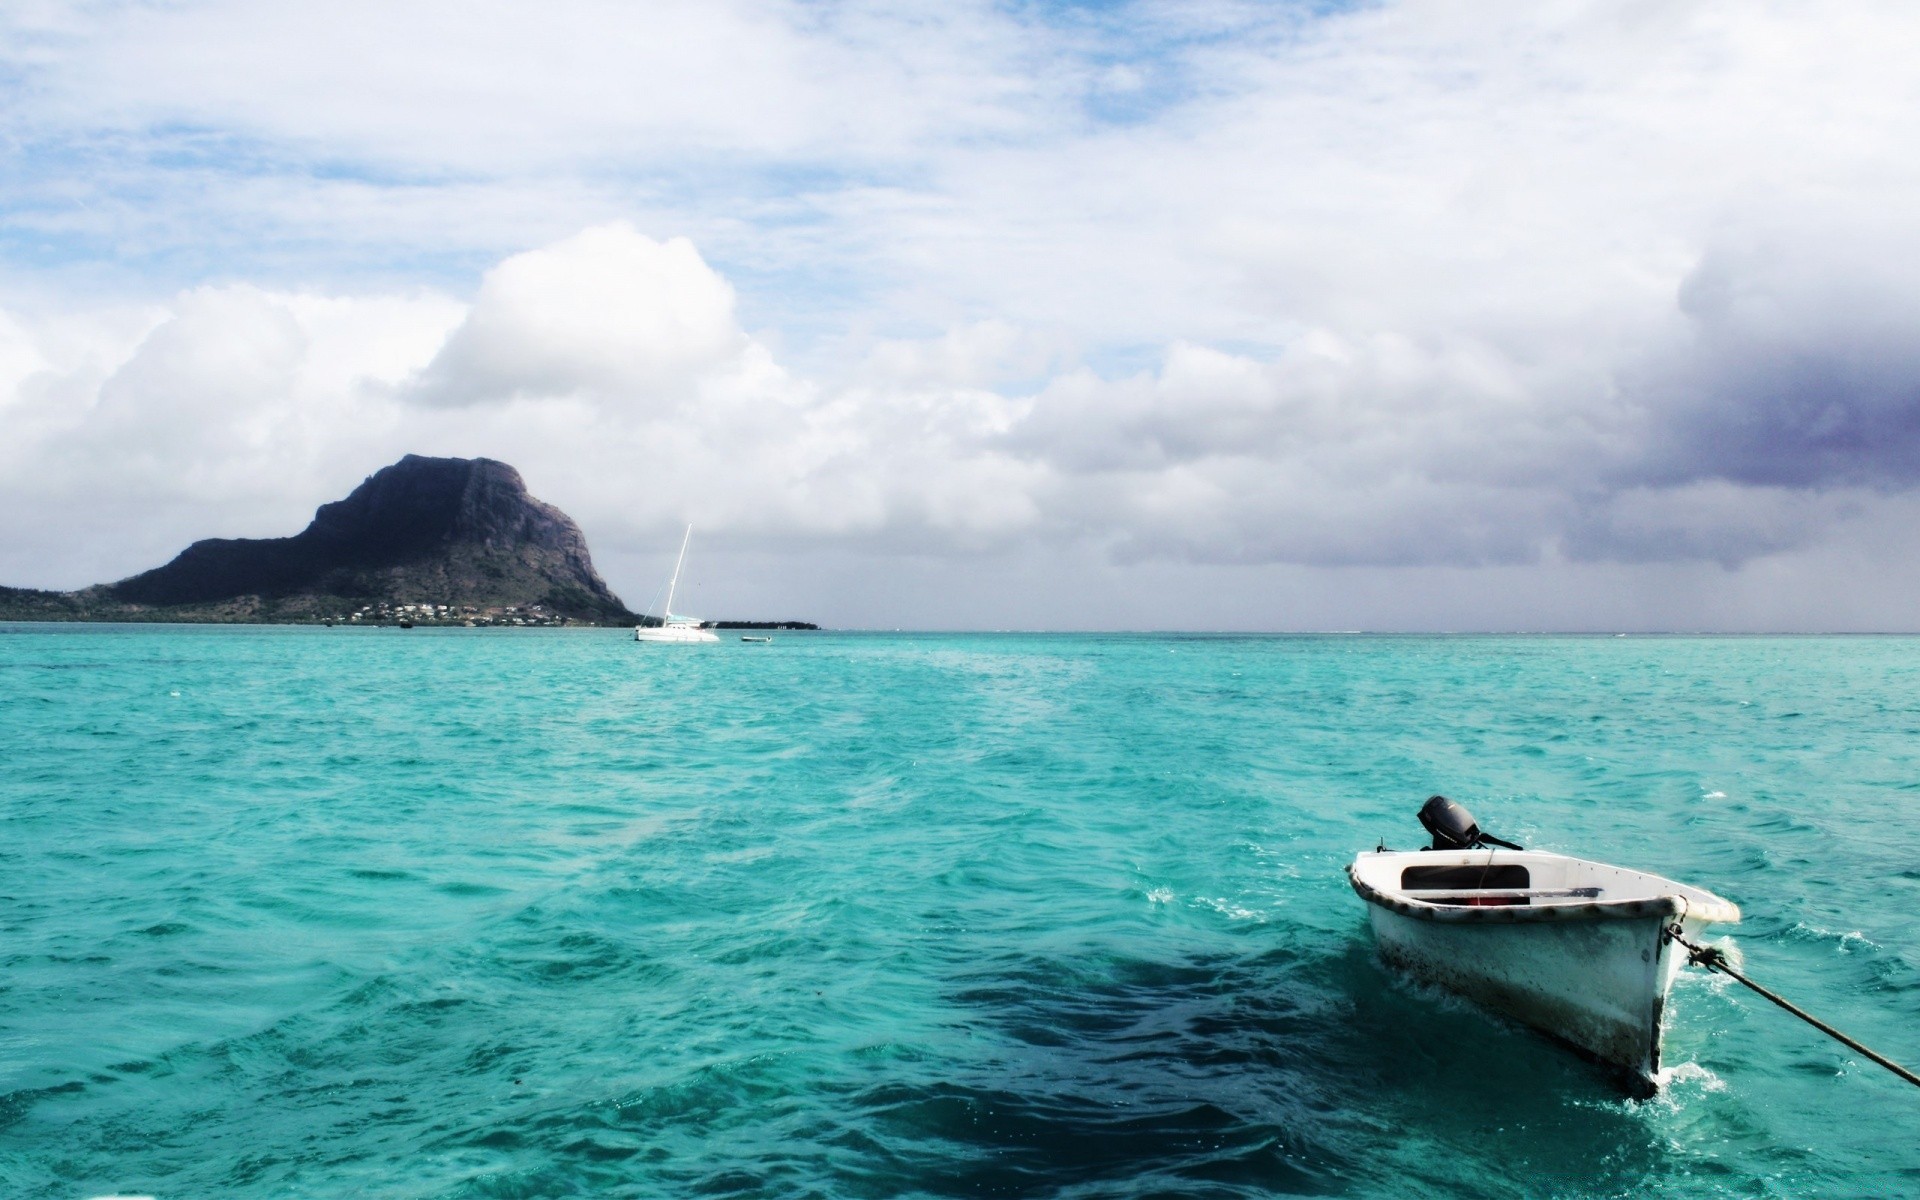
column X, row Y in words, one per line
column 427, row 539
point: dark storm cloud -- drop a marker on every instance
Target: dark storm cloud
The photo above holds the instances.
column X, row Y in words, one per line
column 1802, row 368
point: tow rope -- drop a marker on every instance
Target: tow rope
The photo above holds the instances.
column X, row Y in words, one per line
column 1713, row 960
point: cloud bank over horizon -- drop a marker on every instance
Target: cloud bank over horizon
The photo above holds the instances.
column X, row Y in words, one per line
column 1434, row 315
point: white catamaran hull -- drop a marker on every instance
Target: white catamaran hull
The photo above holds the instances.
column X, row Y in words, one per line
column 1576, row 950
column 674, row 633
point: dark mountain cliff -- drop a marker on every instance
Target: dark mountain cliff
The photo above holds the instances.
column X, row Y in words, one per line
column 455, row 531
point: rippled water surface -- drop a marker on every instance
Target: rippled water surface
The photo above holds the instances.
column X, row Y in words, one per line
column 513, row 914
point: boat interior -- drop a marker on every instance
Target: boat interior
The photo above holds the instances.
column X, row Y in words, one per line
column 1498, row 878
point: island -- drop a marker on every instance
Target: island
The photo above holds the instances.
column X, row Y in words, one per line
column 425, row 541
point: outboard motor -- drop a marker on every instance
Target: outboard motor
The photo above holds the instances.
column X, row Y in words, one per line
column 1452, row 827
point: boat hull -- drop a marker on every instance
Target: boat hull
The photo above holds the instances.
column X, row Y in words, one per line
column 1575, row 949
column 678, row 634
column 1598, row 985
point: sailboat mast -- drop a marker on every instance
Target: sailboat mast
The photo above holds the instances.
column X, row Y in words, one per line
column 675, row 582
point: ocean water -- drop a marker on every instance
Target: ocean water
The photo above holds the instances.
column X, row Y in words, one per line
column 309, row 912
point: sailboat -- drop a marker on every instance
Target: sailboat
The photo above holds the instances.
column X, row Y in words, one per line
column 672, row 628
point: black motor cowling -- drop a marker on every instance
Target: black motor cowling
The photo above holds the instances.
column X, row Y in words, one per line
column 1452, row 827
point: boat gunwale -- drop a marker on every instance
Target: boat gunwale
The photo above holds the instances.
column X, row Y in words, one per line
column 1669, row 905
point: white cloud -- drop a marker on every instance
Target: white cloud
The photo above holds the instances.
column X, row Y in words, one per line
column 608, row 310
column 441, row 86
column 19, row 358
column 220, row 414
column 609, row 367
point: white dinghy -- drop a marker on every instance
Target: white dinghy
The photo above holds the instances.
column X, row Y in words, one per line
column 1578, row 950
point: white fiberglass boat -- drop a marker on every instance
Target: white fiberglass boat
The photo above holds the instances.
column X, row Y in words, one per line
column 1578, row 950
column 672, row 628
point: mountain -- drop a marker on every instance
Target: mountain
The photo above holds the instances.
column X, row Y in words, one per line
column 461, row 532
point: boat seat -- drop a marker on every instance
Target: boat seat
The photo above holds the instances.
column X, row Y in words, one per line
column 1505, row 876
column 1506, row 879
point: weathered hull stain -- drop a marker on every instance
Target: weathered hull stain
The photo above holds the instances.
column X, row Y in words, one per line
column 1598, row 986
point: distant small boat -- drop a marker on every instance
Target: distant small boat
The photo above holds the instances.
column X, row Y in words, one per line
column 672, row 628
column 747, row 637
column 1576, row 949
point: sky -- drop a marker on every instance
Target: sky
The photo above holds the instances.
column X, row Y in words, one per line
column 1425, row 315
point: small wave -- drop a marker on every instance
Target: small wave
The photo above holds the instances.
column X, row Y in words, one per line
column 1160, row 895
column 1844, row 943
column 1682, row 1081
column 1229, row 910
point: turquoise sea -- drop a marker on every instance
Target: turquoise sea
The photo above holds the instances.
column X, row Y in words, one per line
column 465, row 913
